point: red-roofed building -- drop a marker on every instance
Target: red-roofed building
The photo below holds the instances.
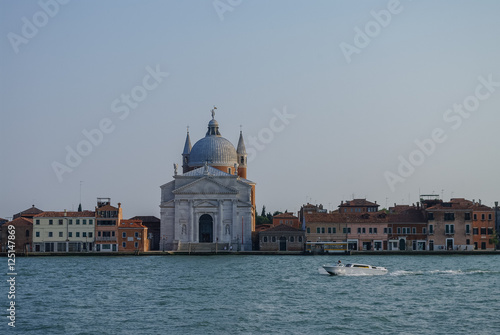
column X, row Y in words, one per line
column 287, row 219
column 63, row 231
column 483, row 225
column 28, row 213
column 358, row 206
column 132, row 236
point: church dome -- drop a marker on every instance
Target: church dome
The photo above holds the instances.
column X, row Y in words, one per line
column 215, row 149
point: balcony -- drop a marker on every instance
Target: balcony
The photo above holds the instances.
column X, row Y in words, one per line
column 105, row 238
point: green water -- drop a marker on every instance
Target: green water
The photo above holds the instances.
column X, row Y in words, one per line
column 254, row 294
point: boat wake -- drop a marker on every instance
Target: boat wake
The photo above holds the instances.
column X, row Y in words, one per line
column 440, row 272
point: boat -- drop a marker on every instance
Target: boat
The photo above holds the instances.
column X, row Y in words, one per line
column 354, row 269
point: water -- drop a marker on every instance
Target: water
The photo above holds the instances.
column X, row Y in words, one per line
column 255, row 294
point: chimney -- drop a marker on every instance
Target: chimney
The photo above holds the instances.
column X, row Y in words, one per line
column 119, row 205
column 496, row 204
column 375, row 202
column 65, row 214
column 479, row 202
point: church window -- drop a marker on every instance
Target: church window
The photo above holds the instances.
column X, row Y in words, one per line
column 300, row 238
column 242, row 160
column 184, row 229
column 292, row 239
column 265, row 239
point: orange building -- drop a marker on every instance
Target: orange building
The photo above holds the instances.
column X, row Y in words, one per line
column 287, row 219
column 132, row 236
column 107, row 220
column 483, row 225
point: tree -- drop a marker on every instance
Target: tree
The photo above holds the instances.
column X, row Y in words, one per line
column 263, row 211
column 80, row 207
column 494, row 239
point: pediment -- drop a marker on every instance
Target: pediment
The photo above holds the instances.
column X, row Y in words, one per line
column 205, row 185
column 206, row 204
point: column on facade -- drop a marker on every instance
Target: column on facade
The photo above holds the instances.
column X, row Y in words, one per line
column 191, row 221
column 220, row 228
column 176, row 219
column 234, row 225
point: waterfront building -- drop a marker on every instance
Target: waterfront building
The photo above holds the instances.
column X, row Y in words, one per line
column 449, row 225
column 483, row 225
column 63, row 231
column 132, row 236
column 281, row 238
column 497, row 221
column 153, row 225
column 407, row 228
column 107, row 220
column 287, row 219
column 211, row 204
column 28, row 213
column 23, row 229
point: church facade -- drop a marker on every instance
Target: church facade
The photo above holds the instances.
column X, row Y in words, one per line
column 211, row 204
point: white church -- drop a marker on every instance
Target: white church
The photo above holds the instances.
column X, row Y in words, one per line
column 211, row 204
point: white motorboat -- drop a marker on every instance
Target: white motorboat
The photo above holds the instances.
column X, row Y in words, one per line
column 354, row 269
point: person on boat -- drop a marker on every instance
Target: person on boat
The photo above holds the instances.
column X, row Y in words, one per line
column 339, row 263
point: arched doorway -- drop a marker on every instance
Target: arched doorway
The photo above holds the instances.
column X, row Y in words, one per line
column 282, row 243
column 206, row 229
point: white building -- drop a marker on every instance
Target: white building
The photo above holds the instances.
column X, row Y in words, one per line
column 211, row 203
column 63, row 231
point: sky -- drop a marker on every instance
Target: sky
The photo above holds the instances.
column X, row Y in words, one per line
column 383, row 100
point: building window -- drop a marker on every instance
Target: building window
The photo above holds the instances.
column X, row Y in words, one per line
column 490, row 231
column 424, row 230
column 37, row 234
column 431, row 229
column 370, row 230
column 489, row 216
column 430, row 216
column 292, row 239
column 84, row 234
column 77, row 234
column 482, row 217
column 60, row 234
column 91, row 221
column 483, row 230
column 70, row 221
column 124, row 235
column 70, row 234
column 334, row 230
column 475, row 216
column 77, row 221
column 274, row 238
column 467, row 216
column 60, row 222
column 414, row 230
column 37, row 221
column 136, row 234
column 265, row 239
column 318, row 230
column 90, row 234
column 449, row 229
column 467, row 229
column 374, row 230
column 136, row 245
column 483, row 245
column 124, row 244
column 322, row 230
column 308, row 230
column 359, row 230
column 50, row 221
column 363, row 230
column 449, row 216
column 475, row 231
column 399, row 230
column 300, row 238
column 385, row 230
column 84, row 221
column 329, row 230
column 50, row 234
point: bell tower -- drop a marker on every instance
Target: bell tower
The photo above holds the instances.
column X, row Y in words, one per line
column 186, row 153
column 242, row 157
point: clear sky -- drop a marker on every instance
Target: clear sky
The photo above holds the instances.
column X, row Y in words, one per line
column 377, row 99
